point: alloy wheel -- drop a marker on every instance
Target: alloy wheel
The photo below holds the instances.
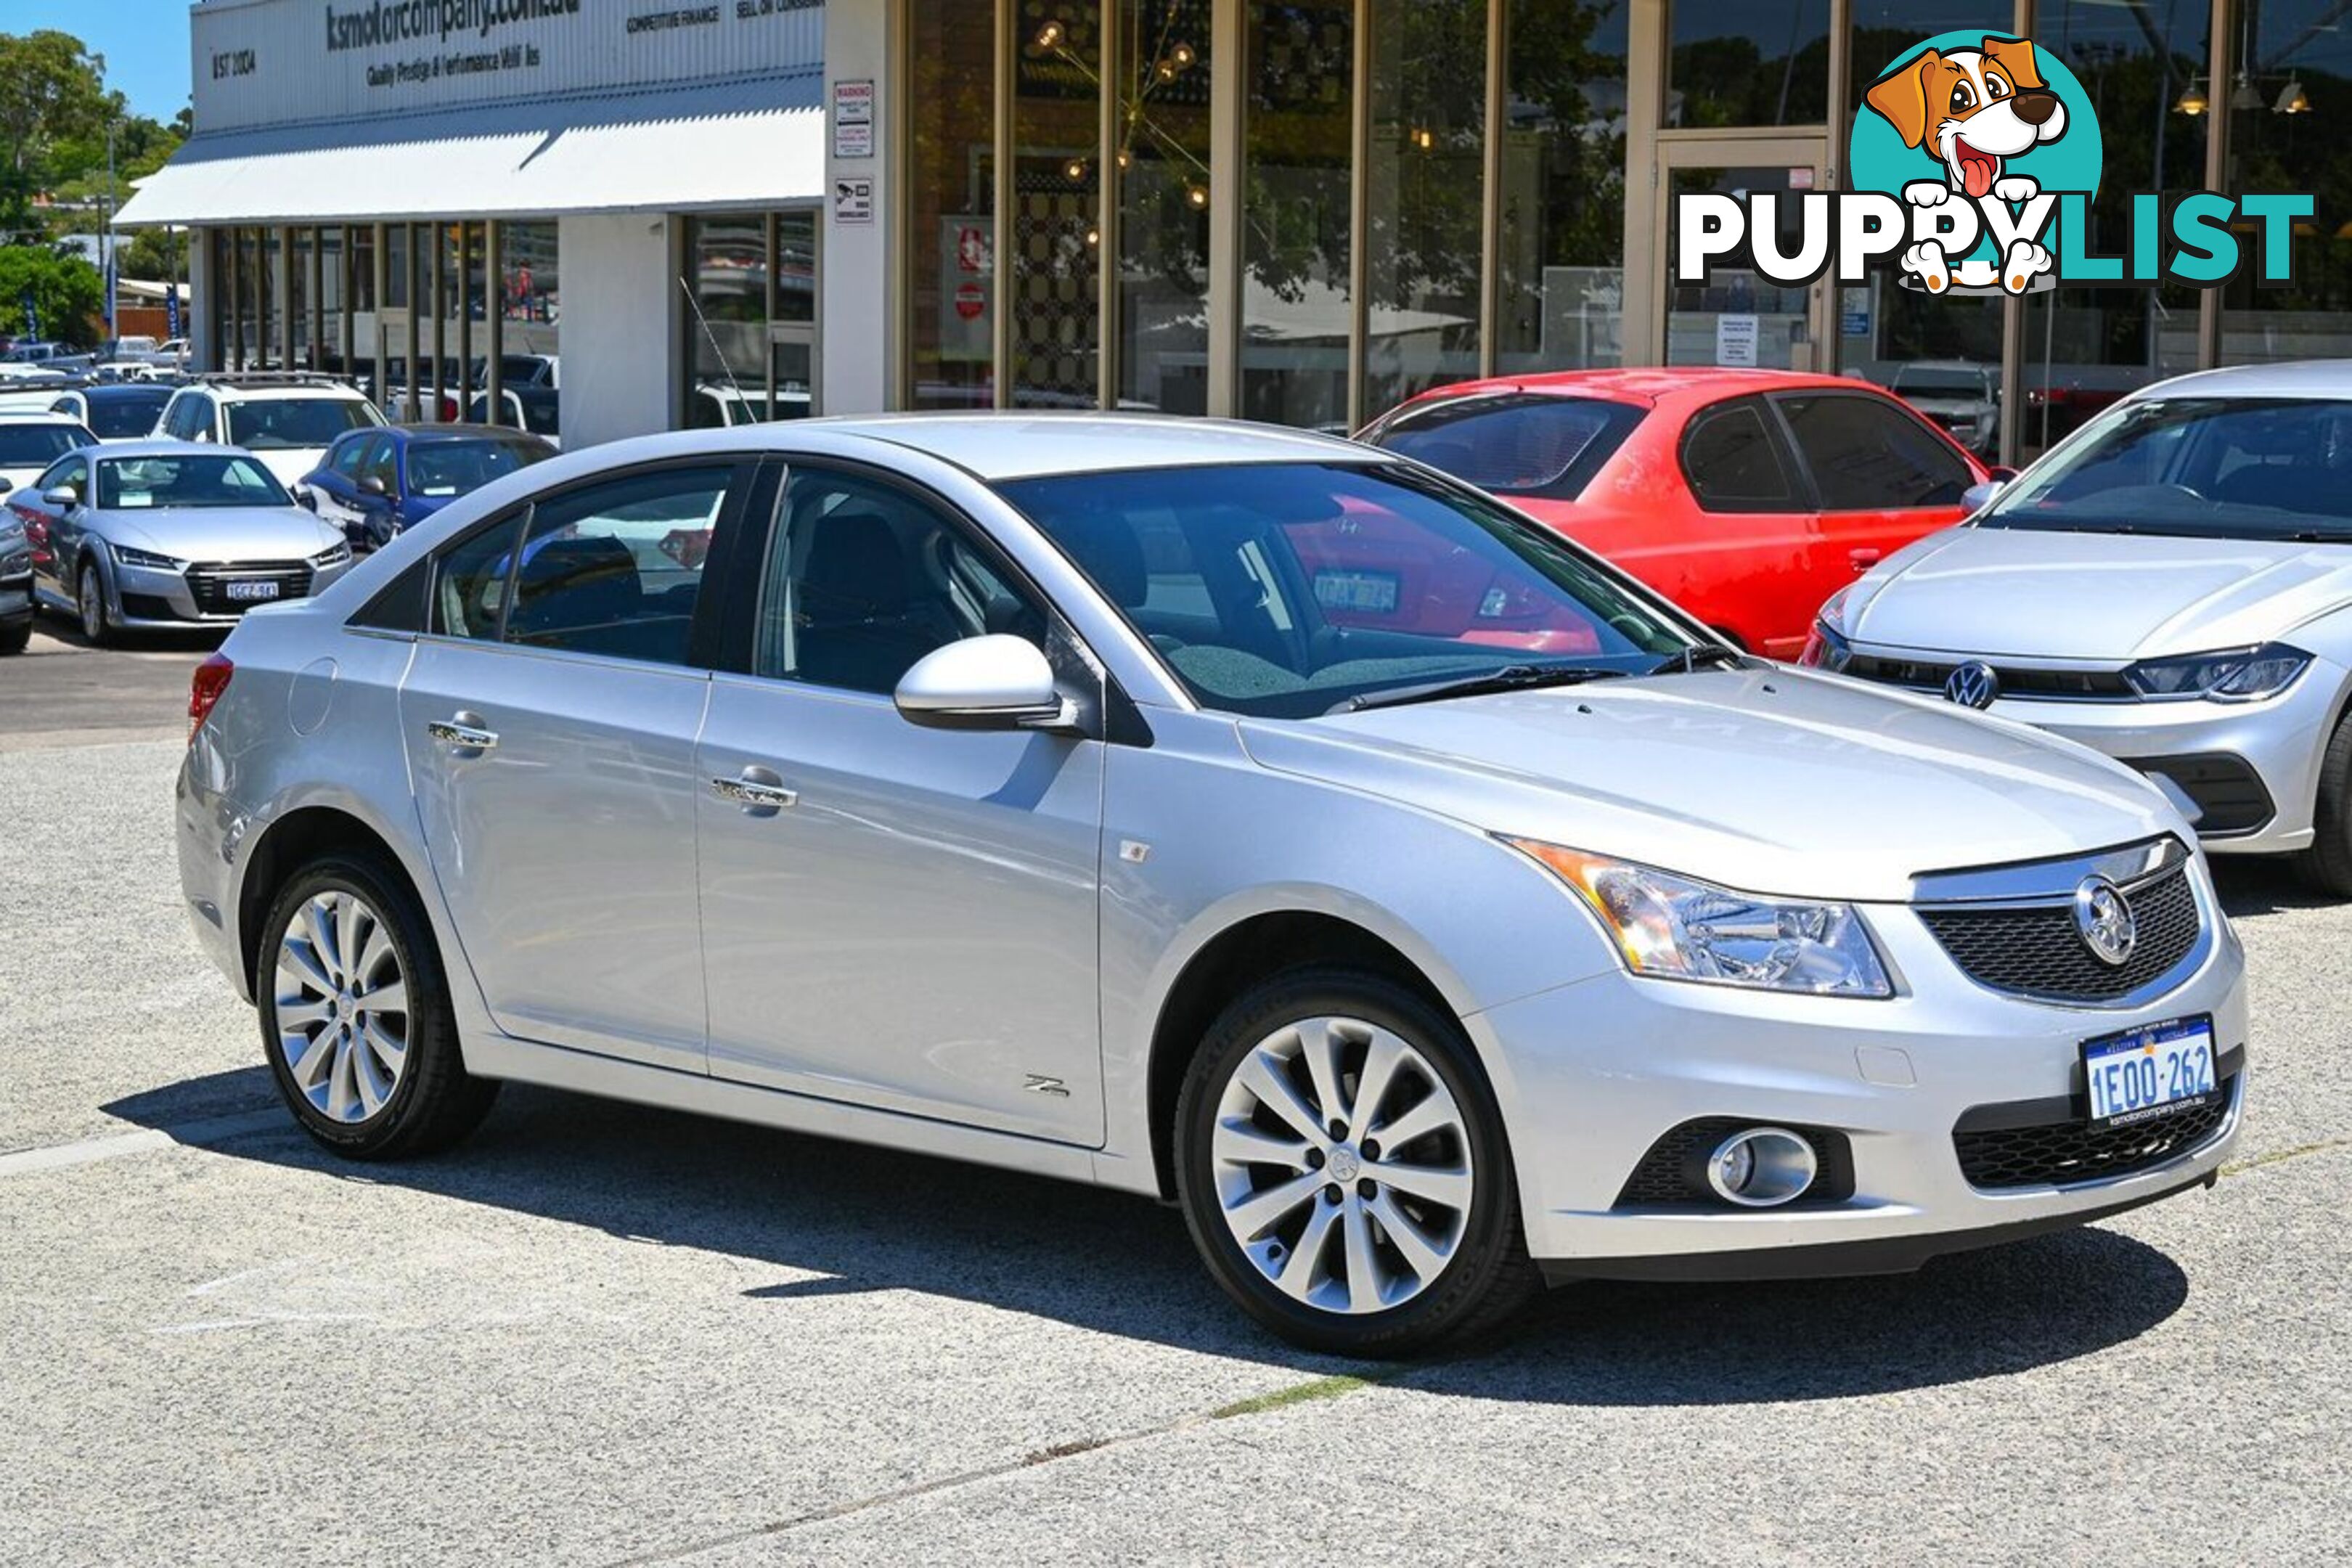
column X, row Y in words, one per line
column 91, row 601
column 1342, row 1166
column 342, row 1007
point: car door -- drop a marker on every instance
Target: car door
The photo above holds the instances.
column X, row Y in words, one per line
column 551, row 716
column 49, row 528
column 1747, row 562
column 896, row 917
column 1883, row 476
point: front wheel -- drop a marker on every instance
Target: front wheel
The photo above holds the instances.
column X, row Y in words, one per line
column 17, row 636
column 90, row 601
column 355, row 1016
column 1343, row 1168
column 2327, row 864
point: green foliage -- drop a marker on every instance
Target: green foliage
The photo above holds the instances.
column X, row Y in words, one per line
column 68, row 292
column 53, row 94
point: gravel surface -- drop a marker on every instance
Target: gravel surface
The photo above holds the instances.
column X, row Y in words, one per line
column 601, row 1334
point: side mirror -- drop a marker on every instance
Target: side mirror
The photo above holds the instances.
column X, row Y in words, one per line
column 305, row 498
column 371, row 485
column 2001, row 474
column 1976, row 497
column 996, row 682
column 6, row 484
column 62, row 495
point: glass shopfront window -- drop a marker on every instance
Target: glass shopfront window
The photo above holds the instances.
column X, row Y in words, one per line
column 1055, row 225
column 950, row 98
column 2144, row 67
column 1562, row 258
column 1161, row 169
column 1424, row 182
column 1750, row 64
column 2297, row 74
column 1298, row 104
column 752, row 331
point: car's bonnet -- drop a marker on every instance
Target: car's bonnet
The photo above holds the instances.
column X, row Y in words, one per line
column 2096, row 596
column 1770, row 781
column 221, row 533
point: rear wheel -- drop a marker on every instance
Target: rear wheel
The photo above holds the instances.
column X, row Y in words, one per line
column 2327, row 864
column 355, row 1016
column 1343, row 1169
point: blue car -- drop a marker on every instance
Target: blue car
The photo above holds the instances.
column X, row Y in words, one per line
column 376, row 481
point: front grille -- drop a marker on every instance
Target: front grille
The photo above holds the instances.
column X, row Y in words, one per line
column 2230, row 795
column 2037, row 951
column 1673, row 1175
column 2059, row 1152
column 2045, row 685
column 208, row 582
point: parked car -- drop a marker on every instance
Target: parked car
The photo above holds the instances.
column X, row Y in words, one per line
column 2172, row 587
column 538, row 409
column 1962, row 396
column 718, row 404
column 518, row 371
column 126, row 411
column 1746, row 497
column 169, row 534
column 30, row 442
column 287, row 420
column 375, row 483
column 1403, row 958
column 16, row 585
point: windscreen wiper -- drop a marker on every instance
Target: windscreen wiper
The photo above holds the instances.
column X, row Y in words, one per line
column 1510, row 678
column 1699, row 656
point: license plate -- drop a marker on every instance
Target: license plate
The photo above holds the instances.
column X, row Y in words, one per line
column 2157, row 1070
column 249, row 591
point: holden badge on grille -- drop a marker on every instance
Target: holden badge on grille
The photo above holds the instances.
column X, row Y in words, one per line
column 2103, row 918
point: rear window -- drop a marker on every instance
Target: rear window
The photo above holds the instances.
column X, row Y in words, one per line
column 38, row 446
column 120, row 419
column 279, row 423
column 1517, row 443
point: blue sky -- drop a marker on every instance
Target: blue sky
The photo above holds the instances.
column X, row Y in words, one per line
column 145, row 43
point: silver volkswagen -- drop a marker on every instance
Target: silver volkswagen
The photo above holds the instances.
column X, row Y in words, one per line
column 1238, row 817
column 2173, row 586
column 140, row 535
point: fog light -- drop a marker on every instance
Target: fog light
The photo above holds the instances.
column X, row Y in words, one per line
column 1761, row 1167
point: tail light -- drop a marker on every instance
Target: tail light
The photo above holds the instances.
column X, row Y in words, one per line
column 205, row 689
column 448, row 410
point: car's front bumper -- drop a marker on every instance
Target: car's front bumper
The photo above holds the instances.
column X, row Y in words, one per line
column 1592, row 1076
column 16, row 597
column 150, row 597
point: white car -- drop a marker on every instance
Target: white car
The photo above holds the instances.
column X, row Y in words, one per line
column 287, row 421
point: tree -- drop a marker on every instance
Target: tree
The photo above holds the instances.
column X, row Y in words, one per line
column 53, row 94
column 66, row 292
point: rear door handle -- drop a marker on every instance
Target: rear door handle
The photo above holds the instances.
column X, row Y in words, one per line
column 757, row 790
column 463, row 732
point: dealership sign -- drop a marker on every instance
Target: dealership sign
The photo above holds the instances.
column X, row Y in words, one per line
column 1973, row 164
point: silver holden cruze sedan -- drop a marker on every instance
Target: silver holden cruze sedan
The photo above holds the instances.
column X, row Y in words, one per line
column 2173, row 586
column 1233, row 816
column 136, row 535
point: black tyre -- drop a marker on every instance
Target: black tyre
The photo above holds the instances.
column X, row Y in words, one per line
column 89, row 605
column 15, row 636
column 355, row 1017
column 1335, row 1239
column 2327, row 864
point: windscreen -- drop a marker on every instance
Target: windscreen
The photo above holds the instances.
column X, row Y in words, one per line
column 455, row 467
column 126, row 418
column 1516, row 443
column 1290, row 589
column 278, row 423
column 197, row 480
column 1940, row 382
column 2203, row 467
column 38, row 446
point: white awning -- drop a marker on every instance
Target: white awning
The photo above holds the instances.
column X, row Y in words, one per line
column 741, row 144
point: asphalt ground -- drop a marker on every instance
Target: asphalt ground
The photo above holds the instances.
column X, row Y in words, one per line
column 599, row 1334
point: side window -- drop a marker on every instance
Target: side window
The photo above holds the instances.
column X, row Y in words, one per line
column 616, row 568
column 346, row 460
column 863, row 580
column 469, row 582
column 199, row 420
column 64, row 471
column 1733, row 461
column 1868, row 456
column 380, row 462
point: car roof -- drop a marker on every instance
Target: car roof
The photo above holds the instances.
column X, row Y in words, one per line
column 1012, row 444
column 43, row 416
column 2296, row 378
column 163, row 449
column 229, row 392
column 1648, row 386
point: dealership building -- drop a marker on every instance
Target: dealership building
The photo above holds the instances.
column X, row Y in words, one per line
column 717, row 210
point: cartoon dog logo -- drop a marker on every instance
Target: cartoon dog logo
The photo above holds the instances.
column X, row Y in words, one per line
column 1974, row 109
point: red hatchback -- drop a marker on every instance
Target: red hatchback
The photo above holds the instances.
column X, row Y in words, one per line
column 1746, row 497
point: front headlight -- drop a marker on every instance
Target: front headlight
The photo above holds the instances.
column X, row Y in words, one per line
column 126, row 556
column 2235, row 675
column 1672, row 928
column 334, row 555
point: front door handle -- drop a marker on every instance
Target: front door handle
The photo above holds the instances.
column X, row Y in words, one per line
column 757, row 790
column 1864, row 559
column 463, row 732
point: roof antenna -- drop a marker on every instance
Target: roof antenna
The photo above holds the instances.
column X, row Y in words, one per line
column 716, row 352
